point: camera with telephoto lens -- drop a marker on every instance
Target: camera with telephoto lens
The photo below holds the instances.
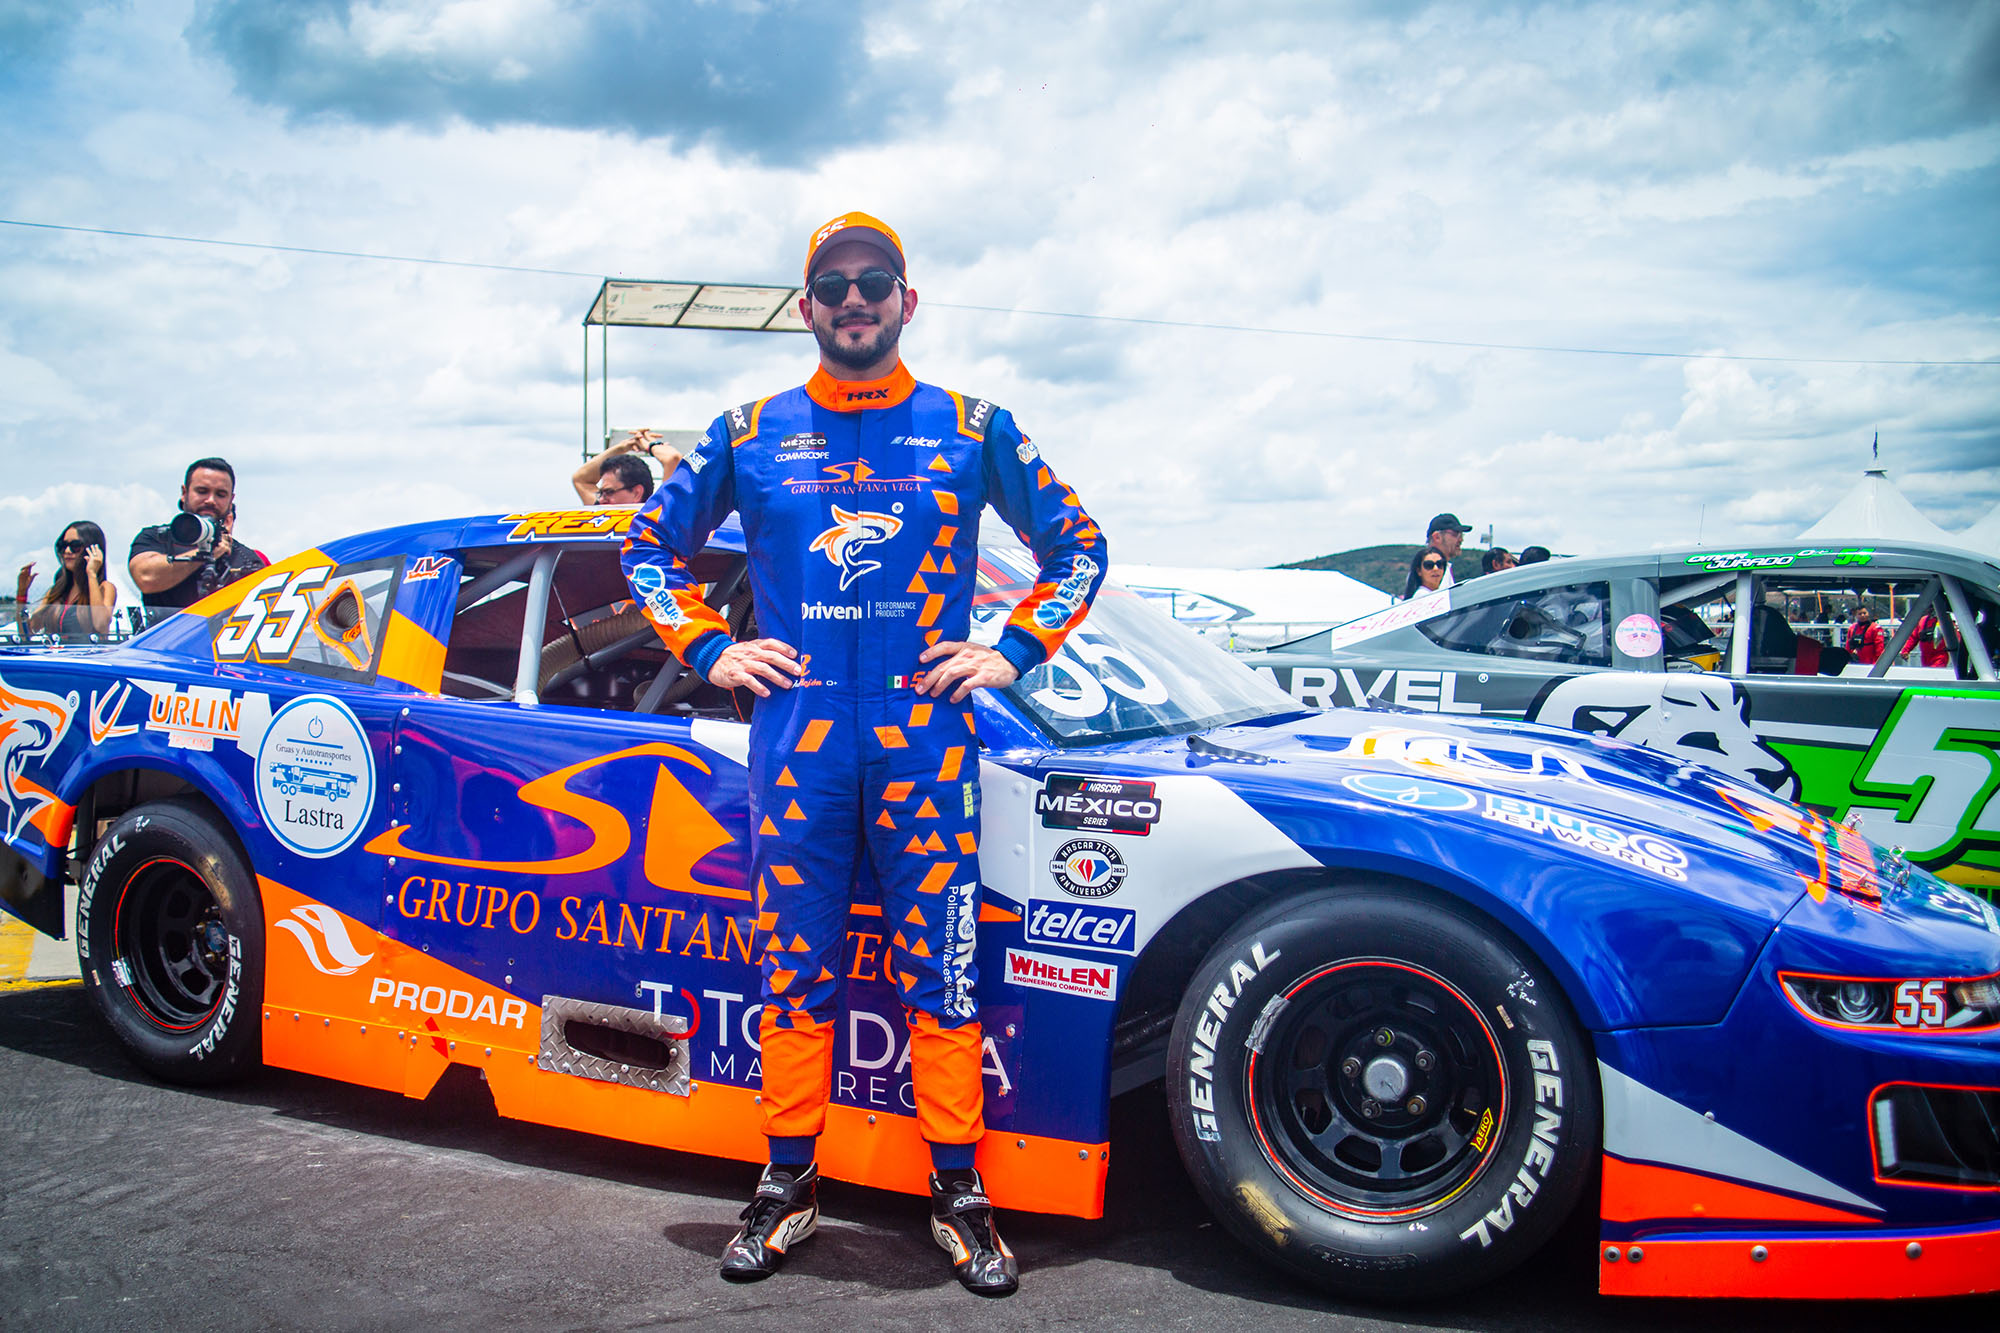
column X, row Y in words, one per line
column 194, row 530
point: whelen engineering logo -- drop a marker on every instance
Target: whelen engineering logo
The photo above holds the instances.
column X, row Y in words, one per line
column 1087, row 868
column 1067, row 976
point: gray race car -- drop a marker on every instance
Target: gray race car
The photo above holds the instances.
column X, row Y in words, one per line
column 1742, row 659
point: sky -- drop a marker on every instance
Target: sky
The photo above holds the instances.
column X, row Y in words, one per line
column 1221, row 261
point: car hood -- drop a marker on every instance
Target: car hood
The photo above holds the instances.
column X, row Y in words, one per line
column 1543, row 780
column 1654, row 884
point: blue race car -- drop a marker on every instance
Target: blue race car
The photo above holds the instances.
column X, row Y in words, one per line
column 1417, row 984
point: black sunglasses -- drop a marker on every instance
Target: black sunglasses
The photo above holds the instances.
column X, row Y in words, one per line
column 76, row 545
column 1431, row 564
column 830, row 288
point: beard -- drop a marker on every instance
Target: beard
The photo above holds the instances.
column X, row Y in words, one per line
column 867, row 353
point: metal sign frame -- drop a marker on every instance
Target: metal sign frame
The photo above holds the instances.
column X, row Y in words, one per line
column 731, row 307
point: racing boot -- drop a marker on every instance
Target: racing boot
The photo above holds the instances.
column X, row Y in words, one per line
column 782, row 1212
column 962, row 1225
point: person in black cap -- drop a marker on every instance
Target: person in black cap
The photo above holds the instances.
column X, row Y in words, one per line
column 1448, row 535
column 1533, row 555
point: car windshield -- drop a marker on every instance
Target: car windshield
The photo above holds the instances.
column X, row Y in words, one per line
column 1127, row 673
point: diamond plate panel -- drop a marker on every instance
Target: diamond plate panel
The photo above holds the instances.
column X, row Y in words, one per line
column 559, row 1057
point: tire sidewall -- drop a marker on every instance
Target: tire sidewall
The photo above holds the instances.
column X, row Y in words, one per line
column 1535, row 1167
column 228, row 1040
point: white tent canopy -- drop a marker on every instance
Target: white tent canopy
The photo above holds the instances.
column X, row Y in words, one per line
column 1252, row 607
column 1983, row 536
column 1876, row 509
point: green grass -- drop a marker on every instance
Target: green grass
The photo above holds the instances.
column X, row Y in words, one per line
column 1386, row 567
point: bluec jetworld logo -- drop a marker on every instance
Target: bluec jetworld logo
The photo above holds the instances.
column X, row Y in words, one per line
column 1068, row 596
column 1397, row 789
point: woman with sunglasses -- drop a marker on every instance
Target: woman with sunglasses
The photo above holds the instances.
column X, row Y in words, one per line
column 1426, row 573
column 80, row 599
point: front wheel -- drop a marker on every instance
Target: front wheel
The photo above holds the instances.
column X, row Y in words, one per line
column 1381, row 1094
column 169, row 937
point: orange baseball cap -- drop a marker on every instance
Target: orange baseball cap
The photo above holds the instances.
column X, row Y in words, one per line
column 856, row 227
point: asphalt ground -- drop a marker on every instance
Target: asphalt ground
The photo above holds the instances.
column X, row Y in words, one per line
column 291, row 1202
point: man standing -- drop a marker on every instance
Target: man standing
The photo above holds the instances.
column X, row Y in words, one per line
column 1865, row 638
column 176, row 574
column 616, row 476
column 860, row 495
column 1448, row 535
column 623, row 481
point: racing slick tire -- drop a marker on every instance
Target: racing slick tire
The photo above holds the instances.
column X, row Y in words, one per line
column 1381, row 1094
column 170, row 941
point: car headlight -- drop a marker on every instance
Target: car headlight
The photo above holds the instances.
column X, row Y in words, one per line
column 1904, row 1004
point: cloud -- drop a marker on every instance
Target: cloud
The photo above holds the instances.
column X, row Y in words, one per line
column 35, row 521
column 1773, row 179
column 777, row 80
column 35, row 34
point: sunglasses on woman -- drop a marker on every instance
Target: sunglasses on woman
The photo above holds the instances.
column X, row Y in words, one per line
column 1431, row 564
column 830, row 288
column 77, row 544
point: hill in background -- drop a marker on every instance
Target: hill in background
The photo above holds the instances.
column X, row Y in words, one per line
column 1386, row 567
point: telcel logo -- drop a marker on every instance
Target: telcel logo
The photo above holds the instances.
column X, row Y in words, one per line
column 1083, row 926
column 828, row 611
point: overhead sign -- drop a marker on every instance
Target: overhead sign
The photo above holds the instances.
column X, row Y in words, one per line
column 697, row 305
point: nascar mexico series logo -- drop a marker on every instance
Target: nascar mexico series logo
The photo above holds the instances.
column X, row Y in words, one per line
column 1087, row 868
column 1098, row 805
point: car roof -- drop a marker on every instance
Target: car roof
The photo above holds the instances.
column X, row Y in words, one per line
column 1854, row 557
column 576, row 525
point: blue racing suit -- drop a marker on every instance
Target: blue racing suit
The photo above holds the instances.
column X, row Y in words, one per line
column 860, row 504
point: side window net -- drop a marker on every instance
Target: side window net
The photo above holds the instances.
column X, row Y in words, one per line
column 1563, row 625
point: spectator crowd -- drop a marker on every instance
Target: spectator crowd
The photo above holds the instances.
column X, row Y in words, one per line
column 177, row 563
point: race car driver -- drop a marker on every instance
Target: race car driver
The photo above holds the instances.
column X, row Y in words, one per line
column 860, row 495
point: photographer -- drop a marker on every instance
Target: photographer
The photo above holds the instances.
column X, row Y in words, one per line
column 178, row 563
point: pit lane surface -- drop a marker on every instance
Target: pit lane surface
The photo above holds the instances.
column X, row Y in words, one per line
column 290, row 1202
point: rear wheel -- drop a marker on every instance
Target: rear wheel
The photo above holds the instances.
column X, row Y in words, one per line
column 1381, row 1094
column 169, row 933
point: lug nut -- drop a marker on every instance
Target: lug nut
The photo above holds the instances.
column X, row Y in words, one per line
column 1416, row 1106
column 1371, row 1108
column 1351, row 1067
column 1425, row 1059
column 1384, row 1037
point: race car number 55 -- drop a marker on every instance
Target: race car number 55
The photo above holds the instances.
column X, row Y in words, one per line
column 1089, row 668
column 269, row 618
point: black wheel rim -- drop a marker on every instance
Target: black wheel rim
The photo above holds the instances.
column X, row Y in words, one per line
column 1379, row 1090
column 169, row 947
